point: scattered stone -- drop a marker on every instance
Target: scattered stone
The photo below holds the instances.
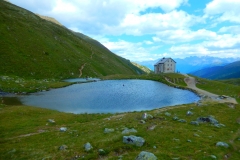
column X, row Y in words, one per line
column 101, row 152
column 88, row 146
column 108, row 130
column 194, row 123
column 127, row 131
column 134, row 140
column 51, row 121
column 63, row 147
column 213, row 156
column 175, row 118
column 146, row 116
column 189, row 140
column 167, row 114
column 142, row 121
column 182, row 120
column 222, row 144
column 154, row 147
column 219, row 125
column 152, row 127
column 146, row 156
column 189, row 113
column 196, row 135
column 175, row 139
column 209, row 119
column 63, row 129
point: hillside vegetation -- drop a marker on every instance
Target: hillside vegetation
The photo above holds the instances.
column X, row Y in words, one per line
column 34, row 47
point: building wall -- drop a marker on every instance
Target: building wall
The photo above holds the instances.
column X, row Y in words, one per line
column 167, row 67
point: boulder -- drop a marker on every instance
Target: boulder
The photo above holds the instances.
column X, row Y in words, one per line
column 142, row 121
column 189, row 113
column 182, row 120
column 88, row 146
column 146, row 156
column 167, row 114
column 222, row 144
column 134, row 140
column 209, row 119
column 63, row 147
column 108, row 130
column 175, row 118
column 194, row 123
column 51, row 121
column 127, row 131
column 63, row 129
column 146, row 116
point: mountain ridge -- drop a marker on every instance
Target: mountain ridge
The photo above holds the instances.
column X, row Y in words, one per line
column 228, row 71
column 193, row 63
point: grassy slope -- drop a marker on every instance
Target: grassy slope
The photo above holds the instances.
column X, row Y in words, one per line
column 219, row 88
column 170, row 137
column 33, row 47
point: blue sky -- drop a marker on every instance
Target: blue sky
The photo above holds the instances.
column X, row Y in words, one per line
column 141, row 30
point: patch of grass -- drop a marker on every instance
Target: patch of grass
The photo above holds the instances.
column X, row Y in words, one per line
column 219, row 88
column 169, row 137
column 15, row 84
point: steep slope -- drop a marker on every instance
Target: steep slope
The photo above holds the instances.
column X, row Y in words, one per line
column 231, row 70
column 34, row 47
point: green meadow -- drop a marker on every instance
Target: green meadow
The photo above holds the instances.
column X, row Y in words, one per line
column 26, row 132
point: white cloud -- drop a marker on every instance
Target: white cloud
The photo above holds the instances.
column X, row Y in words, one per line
column 183, row 35
column 227, row 9
column 129, row 50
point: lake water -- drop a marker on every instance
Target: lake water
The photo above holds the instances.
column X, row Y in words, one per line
column 110, row 96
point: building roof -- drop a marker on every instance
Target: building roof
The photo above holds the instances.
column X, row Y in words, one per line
column 163, row 60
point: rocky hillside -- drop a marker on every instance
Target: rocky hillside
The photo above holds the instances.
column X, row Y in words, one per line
column 31, row 46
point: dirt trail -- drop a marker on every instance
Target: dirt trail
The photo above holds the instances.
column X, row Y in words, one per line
column 191, row 83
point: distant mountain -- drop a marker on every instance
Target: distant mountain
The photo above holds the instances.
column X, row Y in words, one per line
column 193, row 63
column 228, row 71
column 36, row 47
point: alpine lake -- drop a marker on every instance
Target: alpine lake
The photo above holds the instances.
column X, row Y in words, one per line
column 109, row 96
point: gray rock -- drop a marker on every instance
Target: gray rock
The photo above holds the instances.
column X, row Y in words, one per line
column 219, row 125
column 134, row 140
column 189, row 113
column 63, row 129
column 175, row 118
column 213, row 156
column 88, row 146
column 146, row 116
column 167, row 114
column 51, row 121
column 182, row 120
column 63, row 147
column 208, row 119
column 189, row 140
column 194, row 123
column 101, row 152
column 222, row 144
column 127, row 131
column 146, row 156
column 196, row 135
column 108, row 130
column 142, row 121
